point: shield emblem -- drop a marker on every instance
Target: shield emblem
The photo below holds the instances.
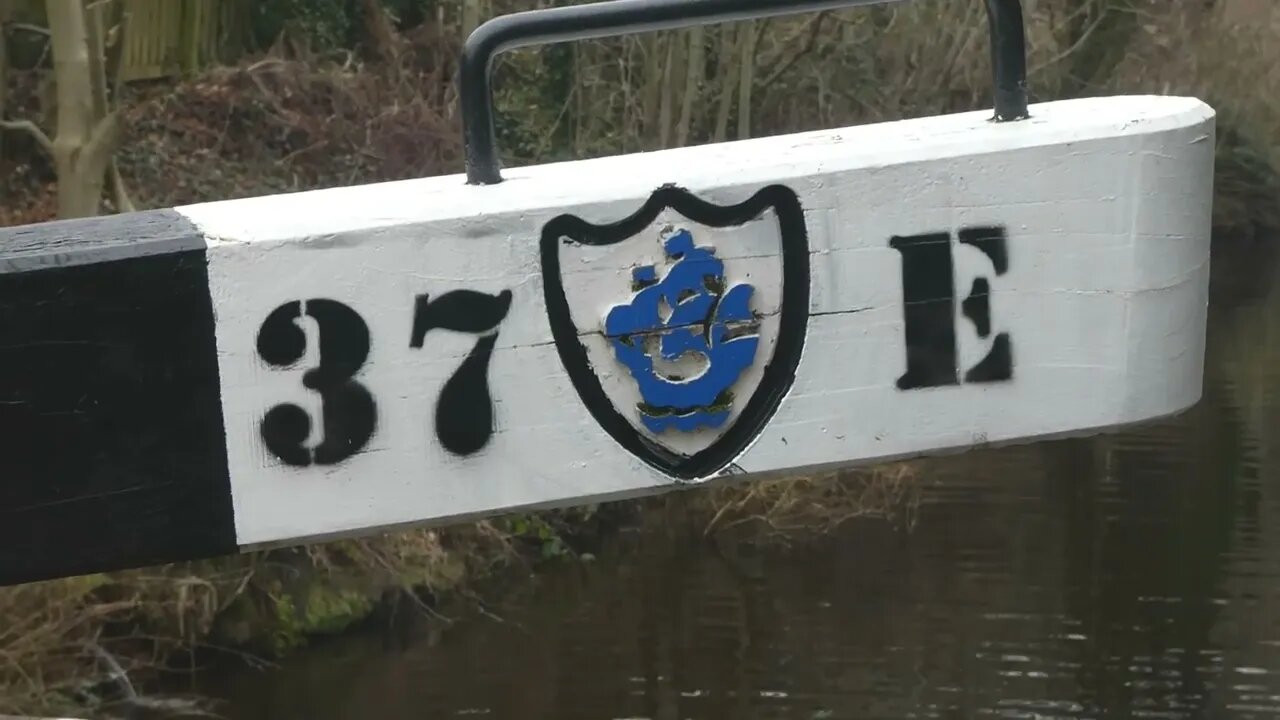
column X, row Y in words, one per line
column 681, row 326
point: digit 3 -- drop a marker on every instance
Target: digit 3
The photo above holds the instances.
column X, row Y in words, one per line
column 349, row 411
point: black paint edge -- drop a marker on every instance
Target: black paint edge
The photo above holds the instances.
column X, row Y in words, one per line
column 779, row 372
column 64, row 243
column 48, row 247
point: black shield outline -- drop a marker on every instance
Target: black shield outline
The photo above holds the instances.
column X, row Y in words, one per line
column 780, row 369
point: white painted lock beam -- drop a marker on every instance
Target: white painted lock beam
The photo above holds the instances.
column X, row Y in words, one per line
column 312, row 365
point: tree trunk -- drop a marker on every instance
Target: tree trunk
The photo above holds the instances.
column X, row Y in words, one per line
column 382, row 36
column 4, row 67
column 470, row 16
column 85, row 140
column 666, row 110
column 726, row 80
column 746, row 77
column 693, row 79
column 651, row 95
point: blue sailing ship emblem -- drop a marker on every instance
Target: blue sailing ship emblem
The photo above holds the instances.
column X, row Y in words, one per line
column 687, row 370
column 687, row 311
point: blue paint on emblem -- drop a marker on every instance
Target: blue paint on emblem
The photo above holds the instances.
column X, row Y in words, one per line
column 687, row 311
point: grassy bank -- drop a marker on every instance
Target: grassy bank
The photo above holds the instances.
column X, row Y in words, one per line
column 295, row 121
column 90, row 646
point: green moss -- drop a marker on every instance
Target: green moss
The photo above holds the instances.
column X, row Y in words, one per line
column 318, row 608
column 332, row 610
column 537, row 531
column 286, row 630
column 282, row 617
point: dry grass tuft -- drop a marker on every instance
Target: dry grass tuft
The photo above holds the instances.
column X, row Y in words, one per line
column 45, row 640
column 59, row 649
column 814, row 505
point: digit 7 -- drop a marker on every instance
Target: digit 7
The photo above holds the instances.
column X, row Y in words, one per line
column 464, row 410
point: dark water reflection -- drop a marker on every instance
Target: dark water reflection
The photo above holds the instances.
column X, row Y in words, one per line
column 1135, row 575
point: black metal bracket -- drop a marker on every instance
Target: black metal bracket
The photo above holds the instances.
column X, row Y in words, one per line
column 621, row 17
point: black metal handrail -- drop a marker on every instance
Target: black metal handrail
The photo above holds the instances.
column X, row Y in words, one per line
column 620, row 17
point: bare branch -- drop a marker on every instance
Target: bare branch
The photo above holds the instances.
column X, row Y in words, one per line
column 115, row 62
column 31, row 129
column 27, row 27
column 814, row 27
column 1084, row 37
column 103, row 142
column 117, row 73
column 119, row 193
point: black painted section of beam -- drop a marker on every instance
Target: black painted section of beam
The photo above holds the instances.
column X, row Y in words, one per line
column 112, row 449
column 66, row 243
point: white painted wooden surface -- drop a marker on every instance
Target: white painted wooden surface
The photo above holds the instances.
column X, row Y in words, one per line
column 1107, row 206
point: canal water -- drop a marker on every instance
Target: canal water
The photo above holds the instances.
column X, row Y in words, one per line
column 1126, row 576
